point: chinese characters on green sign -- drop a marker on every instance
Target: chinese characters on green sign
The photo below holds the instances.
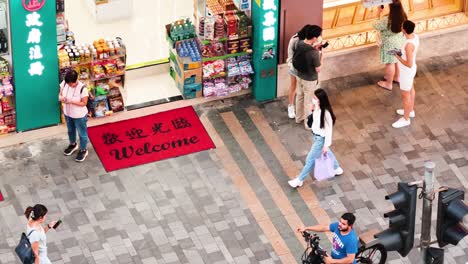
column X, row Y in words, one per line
column 265, row 21
column 35, row 63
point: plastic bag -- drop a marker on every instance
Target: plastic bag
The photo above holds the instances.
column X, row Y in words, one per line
column 323, row 168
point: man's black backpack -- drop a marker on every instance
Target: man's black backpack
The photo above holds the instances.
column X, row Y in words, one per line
column 299, row 60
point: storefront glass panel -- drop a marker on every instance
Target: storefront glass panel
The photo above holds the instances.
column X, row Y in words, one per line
column 348, row 24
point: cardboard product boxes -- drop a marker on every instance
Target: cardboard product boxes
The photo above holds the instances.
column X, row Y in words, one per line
column 189, row 81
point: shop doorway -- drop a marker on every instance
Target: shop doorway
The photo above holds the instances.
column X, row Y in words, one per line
column 147, row 79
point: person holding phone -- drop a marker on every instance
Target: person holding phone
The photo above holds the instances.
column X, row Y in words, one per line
column 408, row 68
column 322, row 130
column 36, row 216
column 74, row 97
column 389, row 28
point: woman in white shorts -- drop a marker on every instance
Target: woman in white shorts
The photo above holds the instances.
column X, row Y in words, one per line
column 407, row 66
column 293, row 72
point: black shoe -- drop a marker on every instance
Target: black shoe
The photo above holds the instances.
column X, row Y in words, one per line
column 82, row 154
column 70, row 149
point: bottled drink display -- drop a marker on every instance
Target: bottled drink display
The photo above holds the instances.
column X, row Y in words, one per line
column 182, row 29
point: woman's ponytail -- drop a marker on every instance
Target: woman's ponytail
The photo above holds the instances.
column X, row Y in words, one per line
column 36, row 212
column 28, row 211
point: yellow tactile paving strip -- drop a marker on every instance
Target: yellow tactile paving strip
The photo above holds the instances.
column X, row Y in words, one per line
column 249, row 196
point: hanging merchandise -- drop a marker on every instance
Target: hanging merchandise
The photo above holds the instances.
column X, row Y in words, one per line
column 7, row 100
column 101, row 66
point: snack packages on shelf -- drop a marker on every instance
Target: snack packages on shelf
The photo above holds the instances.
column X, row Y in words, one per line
column 6, row 88
column 213, row 68
column 221, row 87
column 240, row 66
column 233, row 67
column 214, row 49
column 99, row 71
column 209, row 28
column 231, row 24
column 215, row 7
column 209, row 89
column 101, row 107
column 245, row 67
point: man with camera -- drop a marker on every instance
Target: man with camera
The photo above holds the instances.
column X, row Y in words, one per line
column 345, row 240
column 307, row 60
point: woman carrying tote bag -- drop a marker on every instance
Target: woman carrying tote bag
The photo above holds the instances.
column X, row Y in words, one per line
column 322, row 129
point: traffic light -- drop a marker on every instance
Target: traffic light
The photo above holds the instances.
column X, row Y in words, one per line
column 400, row 234
column 450, row 213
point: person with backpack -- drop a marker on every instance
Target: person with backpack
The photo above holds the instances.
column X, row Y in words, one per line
column 36, row 216
column 300, row 35
column 74, row 97
column 307, row 61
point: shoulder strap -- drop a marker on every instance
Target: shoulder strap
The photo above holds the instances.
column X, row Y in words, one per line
column 30, row 232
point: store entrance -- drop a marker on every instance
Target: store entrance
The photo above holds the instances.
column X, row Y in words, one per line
column 140, row 25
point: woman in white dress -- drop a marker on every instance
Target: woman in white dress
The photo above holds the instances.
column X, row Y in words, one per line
column 37, row 233
column 408, row 67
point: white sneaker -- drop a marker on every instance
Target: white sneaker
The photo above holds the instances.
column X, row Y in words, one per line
column 402, row 122
column 402, row 112
column 339, row 171
column 291, row 111
column 295, row 183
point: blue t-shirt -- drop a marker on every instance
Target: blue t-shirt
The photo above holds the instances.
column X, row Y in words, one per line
column 343, row 245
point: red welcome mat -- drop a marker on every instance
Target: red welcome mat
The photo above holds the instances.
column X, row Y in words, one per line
column 150, row 138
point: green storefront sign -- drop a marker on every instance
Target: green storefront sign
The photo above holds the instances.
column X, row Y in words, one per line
column 265, row 43
column 35, row 63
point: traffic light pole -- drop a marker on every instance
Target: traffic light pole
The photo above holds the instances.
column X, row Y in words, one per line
column 428, row 186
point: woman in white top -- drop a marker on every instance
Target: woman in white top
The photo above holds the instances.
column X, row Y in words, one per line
column 37, row 233
column 74, row 97
column 300, row 35
column 322, row 129
column 408, row 68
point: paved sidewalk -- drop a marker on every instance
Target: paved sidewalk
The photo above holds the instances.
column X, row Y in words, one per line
column 232, row 204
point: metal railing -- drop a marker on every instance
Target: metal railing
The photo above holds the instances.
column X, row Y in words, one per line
column 425, row 25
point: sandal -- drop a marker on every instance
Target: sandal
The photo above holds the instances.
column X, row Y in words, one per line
column 398, row 82
column 381, row 85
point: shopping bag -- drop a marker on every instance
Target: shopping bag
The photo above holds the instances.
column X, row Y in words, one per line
column 324, row 167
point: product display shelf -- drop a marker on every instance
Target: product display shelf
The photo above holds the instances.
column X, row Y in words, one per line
column 224, row 39
column 226, row 56
column 220, row 75
column 7, row 102
column 104, row 77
